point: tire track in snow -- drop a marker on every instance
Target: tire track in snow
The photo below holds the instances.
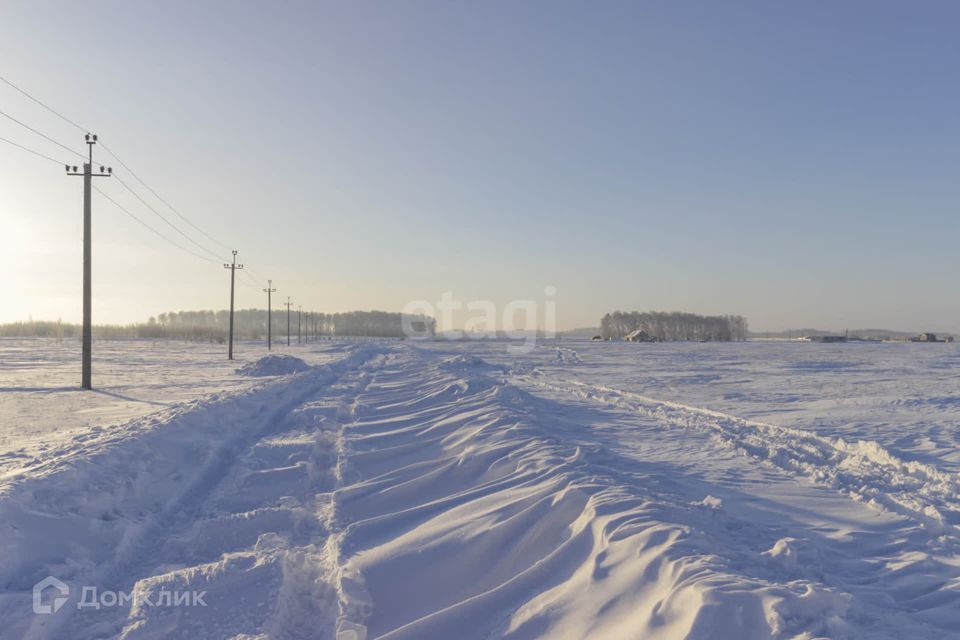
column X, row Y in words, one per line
column 863, row 470
column 146, row 508
column 294, row 565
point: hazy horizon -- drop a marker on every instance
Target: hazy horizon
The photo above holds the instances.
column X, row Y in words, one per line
column 461, row 325
column 794, row 164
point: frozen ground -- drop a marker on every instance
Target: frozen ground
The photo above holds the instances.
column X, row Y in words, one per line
column 449, row 490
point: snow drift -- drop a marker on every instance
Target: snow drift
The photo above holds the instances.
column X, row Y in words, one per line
column 273, row 365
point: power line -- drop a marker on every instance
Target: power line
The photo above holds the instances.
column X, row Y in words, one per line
column 135, row 217
column 36, row 153
column 114, row 202
column 42, row 135
column 162, row 217
column 252, row 277
column 251, row 283
column 256, row 282
column 45, row 106
column 112, row 154
column 253, row 274
column 161, row 199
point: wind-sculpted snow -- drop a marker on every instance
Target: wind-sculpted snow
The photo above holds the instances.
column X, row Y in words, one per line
column 467, row 517
column 862, row 469
column 400, row 493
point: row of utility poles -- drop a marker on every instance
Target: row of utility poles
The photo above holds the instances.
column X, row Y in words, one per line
column 303, row 319
column 87, row 172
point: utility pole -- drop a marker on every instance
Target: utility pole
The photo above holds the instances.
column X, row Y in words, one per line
column 87, row 336
column 269, row 290
column 299, row 312
column 288, row 303
column 233, row 270
column 306, row 328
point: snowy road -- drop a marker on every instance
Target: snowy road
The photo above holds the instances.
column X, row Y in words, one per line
column 399, row 491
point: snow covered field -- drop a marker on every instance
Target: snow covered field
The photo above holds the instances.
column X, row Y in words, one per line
column 450, row 490
column 40, row 391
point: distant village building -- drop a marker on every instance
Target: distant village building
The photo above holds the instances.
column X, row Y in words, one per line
column 640, row 336
column 926, row 337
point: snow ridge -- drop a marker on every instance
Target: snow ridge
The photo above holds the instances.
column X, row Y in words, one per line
column 862, row 469
column 470, row 517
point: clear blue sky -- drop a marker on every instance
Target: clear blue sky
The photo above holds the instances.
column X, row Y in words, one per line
column 796, row 163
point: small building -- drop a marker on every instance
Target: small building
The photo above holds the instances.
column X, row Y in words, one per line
column 828, row 339
column 926, row 337
column 640, row 336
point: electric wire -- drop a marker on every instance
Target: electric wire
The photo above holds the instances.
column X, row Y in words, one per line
column 36, row 153
column 161, row 199
column 42, row 135
column 44, row 105
column 215, row 258
column 137, row 218
column 108, row 150
column 164, row 218
column 115, row 203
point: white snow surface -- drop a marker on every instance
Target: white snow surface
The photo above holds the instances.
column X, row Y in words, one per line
column 41, row 402
column 452, row 490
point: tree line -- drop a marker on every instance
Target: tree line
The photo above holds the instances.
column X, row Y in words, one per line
column 675, row 325
column 213, row 326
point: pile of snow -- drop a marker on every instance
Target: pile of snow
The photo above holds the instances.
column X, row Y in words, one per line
column 273, row 365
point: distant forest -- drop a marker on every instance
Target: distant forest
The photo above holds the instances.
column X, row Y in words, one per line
column 212, row 326
column 674, row 325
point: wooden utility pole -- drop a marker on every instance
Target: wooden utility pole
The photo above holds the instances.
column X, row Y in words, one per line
column 269, row 290
column 299, row 312
column 87, row 336
column 233, row 270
